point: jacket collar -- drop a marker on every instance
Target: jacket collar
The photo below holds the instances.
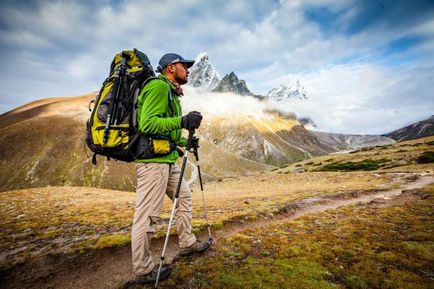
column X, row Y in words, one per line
column 176, row 89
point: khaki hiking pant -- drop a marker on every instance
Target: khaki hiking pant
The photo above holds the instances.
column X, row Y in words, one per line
column 154, row 181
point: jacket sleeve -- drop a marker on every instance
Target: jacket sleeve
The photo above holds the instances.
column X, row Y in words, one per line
column 154, row 104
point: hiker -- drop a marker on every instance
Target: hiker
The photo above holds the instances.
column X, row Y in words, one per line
column 159, row 114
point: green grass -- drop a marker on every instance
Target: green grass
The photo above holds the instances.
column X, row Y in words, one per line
column 354, row 247
column 426, row 157
column 365, row 165
column 115, row 240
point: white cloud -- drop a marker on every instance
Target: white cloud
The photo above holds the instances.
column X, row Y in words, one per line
column 222, row 104
column 363, row 98
column 59, row 47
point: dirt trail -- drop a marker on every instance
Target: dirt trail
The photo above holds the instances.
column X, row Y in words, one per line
column 111, row 268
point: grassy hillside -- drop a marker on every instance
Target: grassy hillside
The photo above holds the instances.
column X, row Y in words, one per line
column 389, row 156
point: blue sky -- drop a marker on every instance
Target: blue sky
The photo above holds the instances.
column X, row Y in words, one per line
column 367, row 66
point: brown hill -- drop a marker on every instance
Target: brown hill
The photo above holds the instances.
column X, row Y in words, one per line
column 42, row 144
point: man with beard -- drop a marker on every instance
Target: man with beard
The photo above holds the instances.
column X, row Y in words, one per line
column 159, row 116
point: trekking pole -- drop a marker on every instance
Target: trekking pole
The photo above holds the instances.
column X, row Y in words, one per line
column 196, row 154
column 123, row 82
column 111, row 114
column 175, row 201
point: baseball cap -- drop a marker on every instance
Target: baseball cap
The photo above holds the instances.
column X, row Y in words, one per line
column 172, row 58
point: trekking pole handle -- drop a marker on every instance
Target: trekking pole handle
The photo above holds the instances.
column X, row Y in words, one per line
column 195, row 145
column 190, row 139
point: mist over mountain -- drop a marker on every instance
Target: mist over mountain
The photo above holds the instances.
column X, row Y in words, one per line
column 239, row 135
column 204, row 76
column 251, row 142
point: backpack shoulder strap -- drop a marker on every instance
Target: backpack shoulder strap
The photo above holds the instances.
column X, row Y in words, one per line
column 148, row 80
column 162, row 79
column 170, row 95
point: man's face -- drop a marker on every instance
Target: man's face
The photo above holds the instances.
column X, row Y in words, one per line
column 181, row 73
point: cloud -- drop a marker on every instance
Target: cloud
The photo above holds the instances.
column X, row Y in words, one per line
column 222, row 104
column 364, row 98
column 54, row 47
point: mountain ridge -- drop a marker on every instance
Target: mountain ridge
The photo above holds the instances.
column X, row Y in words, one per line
column 288, row 90
column 416, row 130
column 231, row 83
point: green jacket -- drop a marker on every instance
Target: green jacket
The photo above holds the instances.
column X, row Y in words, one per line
column 157, row 116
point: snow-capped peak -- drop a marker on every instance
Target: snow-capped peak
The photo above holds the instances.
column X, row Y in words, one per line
column 202, row 74
column 201, row 57
column 288, row 90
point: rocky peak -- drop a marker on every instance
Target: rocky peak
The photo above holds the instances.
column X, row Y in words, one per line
column 307, row 122
column 231, row 83
column 202, row 74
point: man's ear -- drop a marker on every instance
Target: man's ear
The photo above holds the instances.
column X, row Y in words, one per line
column 171, row 68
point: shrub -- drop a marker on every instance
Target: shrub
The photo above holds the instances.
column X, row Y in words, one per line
column 365, row 165
column 426, row 158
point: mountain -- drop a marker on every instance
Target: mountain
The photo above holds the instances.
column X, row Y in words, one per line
column 42, row 144
column 341, row 142
column 417, row 130
column 307, row 122
column 231, row 83
column 288, row 90
column 203, row 74
column 205, row 77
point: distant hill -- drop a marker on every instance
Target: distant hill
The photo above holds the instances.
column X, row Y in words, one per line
column 344, row 142
column 417, row 130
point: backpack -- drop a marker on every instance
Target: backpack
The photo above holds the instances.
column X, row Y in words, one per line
column 112, row 130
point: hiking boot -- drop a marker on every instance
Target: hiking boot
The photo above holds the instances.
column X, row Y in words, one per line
column 198, row 247
column 152, row 276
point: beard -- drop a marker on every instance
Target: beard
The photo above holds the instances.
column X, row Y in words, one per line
column 180, row 79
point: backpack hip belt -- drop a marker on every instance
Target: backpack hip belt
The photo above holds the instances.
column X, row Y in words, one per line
column 148, row 147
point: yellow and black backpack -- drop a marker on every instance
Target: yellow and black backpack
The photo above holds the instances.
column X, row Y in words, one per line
column 112, row 130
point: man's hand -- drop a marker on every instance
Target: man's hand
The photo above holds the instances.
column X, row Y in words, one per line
column 191, row 121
